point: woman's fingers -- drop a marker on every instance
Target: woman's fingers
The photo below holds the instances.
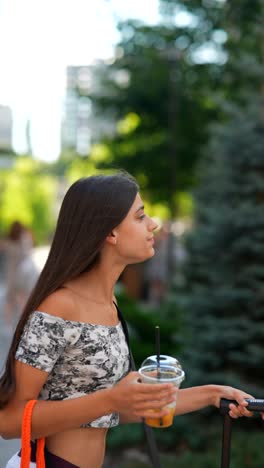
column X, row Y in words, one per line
column 154, row 404
column 154, row 388
column 155, row 397
column 152, row 392
column 240, row 410
column 153, row 414
column 160, row 394
column 241, row 397
column 130, row 395
column 237, row 411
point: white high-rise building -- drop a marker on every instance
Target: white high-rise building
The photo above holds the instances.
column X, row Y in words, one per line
column 6, row 124
column 77, row 110
column 81, row 127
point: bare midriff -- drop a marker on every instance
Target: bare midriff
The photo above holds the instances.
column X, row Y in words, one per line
column 84, row 447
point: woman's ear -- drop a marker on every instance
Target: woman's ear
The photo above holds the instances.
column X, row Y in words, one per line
column 112, row 238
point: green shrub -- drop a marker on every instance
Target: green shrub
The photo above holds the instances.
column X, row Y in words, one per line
column 141, row 322
column 246, row 452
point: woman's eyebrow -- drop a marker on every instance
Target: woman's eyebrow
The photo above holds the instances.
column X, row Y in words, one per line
column 140, row 208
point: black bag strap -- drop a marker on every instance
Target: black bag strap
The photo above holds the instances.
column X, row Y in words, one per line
column 152, row 444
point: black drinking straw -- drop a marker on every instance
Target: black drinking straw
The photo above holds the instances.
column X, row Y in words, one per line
column 157, row 340
column 157, row 336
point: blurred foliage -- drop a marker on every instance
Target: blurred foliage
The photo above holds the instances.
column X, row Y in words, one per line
column 28, row 195
column 221, row 300
column 160, row 101
column 246, row 452
column 169, row 82
column 83, row 167
column 142, row 321
column 223, row 295
column 234, row 32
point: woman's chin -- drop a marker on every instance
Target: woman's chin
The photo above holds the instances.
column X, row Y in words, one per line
column 151, row 253
column 142, row 258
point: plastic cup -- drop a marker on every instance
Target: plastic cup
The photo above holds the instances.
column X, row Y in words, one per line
column 164, row 374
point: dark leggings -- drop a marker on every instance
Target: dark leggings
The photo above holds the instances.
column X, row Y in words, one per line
column 51, row 460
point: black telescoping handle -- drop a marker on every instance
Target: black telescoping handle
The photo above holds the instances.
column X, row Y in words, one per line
column 253, row 405
column 256, row 405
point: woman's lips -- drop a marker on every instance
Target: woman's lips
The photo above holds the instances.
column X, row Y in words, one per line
column 151, row 240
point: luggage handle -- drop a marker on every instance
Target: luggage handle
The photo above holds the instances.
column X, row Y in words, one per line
column 253, row 405
column 256, row 405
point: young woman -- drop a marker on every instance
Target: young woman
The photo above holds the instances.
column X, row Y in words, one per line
column 69, row 350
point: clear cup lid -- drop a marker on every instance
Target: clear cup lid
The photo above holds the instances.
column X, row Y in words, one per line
column 164, row 360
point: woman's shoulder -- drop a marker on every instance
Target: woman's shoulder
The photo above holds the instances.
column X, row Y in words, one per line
column 59, row 304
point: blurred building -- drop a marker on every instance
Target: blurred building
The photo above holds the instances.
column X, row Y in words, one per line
column 80, row 126
column 6, row 124
column 77, row 107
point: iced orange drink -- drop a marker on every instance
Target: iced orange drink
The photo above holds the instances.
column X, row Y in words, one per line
column 165, row 421
column 163, row 374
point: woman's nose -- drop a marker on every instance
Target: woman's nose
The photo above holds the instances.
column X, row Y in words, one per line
column 152, row 225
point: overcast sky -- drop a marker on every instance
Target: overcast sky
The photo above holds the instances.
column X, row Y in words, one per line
column 38, row 39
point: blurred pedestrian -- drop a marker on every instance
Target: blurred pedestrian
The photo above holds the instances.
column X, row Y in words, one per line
column 157, row 268
column 20, row 270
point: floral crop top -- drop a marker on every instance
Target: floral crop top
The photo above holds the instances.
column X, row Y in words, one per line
column 79, row 357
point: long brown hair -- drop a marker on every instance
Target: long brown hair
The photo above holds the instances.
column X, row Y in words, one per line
column 91, row 209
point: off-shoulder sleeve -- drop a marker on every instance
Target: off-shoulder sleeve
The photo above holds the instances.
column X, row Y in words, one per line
column 42, row 342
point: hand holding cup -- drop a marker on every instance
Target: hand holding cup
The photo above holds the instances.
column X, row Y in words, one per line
column 166, row 372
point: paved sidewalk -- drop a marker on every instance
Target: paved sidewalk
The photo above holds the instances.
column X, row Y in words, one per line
column 9, row 447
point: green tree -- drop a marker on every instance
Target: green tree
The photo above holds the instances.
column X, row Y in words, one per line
column 234, row 30
column 222, row 298
column 224, row 273
column 28, row 194
column 159, row 97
